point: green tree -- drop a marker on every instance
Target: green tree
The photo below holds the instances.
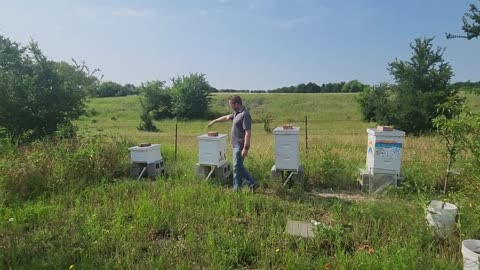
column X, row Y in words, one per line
column 157, row 99
column 113, row 89
column 79, row 74
column 454, row 130
column 353, row 87
column 146, row 118
column 471, row 24
column 110, row 89
column 156, row 103
column 190, row 96
column 422, row 83
column 374, row 102
column 130, row 89
column 37, row 96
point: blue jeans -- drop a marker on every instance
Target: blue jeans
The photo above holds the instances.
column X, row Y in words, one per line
column 239, row 171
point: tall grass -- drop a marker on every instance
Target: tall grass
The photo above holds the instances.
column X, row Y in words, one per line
column 52, row 166
column 68, row 204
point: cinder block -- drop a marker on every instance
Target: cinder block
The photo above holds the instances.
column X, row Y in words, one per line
column 297, row 175
column 377, row 182
column 155, row 169
column 221, row 174
column 152, row 170
column 136, row 169
column 201, row 171
column 276, row 174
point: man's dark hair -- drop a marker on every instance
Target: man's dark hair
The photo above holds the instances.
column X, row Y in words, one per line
column 235, row 99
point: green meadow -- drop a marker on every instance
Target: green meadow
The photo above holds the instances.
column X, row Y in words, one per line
column 70, row 204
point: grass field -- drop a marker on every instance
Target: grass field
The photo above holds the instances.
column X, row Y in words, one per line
column 89, row 215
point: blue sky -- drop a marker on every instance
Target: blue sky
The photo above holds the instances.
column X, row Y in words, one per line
column 242, row 44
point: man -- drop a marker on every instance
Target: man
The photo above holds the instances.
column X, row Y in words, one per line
column 240, row 138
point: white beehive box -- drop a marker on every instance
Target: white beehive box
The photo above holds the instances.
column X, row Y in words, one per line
column 286, row 148
column 212, row 150
column 146, row 154
column 384, row 151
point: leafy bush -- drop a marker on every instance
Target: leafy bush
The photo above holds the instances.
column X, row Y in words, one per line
column 157, row 99
column 191, row 96
column 38, row 95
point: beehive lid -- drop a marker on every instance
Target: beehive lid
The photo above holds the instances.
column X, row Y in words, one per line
column 144, row 148
column 393, row 133
column 290, row 131
column 206, row 137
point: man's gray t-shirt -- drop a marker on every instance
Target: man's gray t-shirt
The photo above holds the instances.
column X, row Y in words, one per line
column 241, row 122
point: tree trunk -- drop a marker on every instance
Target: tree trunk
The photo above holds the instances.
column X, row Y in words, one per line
column 448, row 173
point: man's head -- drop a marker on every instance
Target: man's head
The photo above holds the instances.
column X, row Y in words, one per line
column 235, row 102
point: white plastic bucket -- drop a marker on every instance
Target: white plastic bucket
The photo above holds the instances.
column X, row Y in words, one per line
column 471, row 254
column 441, row 216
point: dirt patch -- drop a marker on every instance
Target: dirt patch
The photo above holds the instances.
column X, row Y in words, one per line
column 326, row 218
column 345, row 195
column 351, row 196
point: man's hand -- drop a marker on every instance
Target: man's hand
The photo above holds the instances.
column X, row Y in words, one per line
column 244, row 152
column 220, row 119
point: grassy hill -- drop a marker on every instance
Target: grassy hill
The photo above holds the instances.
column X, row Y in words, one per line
column 71, row 205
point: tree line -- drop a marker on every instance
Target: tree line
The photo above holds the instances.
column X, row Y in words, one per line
column 353, row 86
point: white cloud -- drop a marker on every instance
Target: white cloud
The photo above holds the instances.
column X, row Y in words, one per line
column 290, row 23
column 118, row 12
column 131, row 12
column 86, row 12
column 209, row 12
